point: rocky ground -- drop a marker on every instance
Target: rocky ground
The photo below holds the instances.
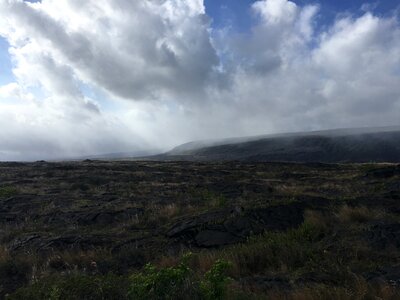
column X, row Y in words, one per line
column 98, row 217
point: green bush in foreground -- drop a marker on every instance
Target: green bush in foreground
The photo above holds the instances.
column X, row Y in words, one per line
column 167, row 283
column 178, row 282
column 215, row 281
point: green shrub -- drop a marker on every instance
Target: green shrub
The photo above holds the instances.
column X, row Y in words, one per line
column 214, row 284
column 180, row 283
column 166, row 283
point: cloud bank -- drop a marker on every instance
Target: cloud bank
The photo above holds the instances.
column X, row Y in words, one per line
column 114, row 76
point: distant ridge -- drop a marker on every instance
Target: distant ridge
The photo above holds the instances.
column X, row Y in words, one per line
column 378, row 144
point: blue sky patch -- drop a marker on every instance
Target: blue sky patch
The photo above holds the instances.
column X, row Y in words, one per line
column 6, row 75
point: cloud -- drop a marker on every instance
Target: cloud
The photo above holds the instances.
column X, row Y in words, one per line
column 294, row 77
column 276, row 12
column 109, row 76
column 14, row 91
column 132, row 49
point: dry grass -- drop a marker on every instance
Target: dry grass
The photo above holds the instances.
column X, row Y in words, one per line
column 168, row 261
column 4, row 254
column 270, row 252
column 359, row 290
column 317, row 219
column 158, row 214
column 361, row 214
column 170, row 210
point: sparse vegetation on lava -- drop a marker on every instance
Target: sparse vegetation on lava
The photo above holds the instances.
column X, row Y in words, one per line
column 123, row 230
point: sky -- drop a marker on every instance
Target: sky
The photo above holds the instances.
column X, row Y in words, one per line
column 92, row 77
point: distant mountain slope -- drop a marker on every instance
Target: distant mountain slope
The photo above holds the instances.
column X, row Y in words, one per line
column 341, row 145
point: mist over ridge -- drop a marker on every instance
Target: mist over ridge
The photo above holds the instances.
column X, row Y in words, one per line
column 354, row 145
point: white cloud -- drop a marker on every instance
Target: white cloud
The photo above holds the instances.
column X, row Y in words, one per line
column 171, row 79
column 276, row 11
column 14, row 91
column 133, row 49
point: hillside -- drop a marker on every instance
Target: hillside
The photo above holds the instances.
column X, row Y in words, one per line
column 332, row 146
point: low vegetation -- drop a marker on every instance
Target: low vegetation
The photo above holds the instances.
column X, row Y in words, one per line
column 179, row 282
column 147, row 230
